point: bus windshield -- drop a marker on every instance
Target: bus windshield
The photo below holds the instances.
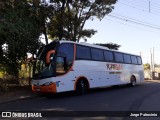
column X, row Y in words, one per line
column 44, row 70
column 44, row 65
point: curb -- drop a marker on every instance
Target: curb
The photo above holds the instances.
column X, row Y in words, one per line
column 152, row 81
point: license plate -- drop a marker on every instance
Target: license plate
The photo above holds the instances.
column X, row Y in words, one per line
column 37, row 89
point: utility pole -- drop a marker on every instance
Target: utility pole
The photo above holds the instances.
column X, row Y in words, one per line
column 149, row 6
column 151, row 67
column 153, row 61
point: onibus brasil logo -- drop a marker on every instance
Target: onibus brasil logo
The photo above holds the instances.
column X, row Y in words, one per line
column 21, row 114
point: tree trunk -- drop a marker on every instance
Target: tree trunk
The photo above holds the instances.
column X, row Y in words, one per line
column 45, row 35
column 46, row 38
column 1, row 54
column 29, row 82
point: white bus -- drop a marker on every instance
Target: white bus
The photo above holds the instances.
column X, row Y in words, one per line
column 69, row 66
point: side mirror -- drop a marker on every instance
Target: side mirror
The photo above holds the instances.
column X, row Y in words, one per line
column 64, row 56
column 61, row 66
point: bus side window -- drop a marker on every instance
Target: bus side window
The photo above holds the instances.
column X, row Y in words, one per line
column 83, row 53
column 108, row 55
column 68, row 50
column 127, row 58
column 134, row 59
column 60, row 65
column 97, row 54
column 118, row 57
column 139, row 60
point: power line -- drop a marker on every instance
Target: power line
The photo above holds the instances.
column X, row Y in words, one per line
column 112, row 20
column 148, row 9
column 145, row 6
column 132, row 6
column 155, row 4
column 116, row 14
column 137, row 4
column 134, row 21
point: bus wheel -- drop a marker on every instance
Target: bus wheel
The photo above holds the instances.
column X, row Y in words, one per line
column 81, row 87
column 133, row 81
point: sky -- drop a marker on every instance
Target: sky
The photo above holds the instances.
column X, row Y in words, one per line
column 135, row 25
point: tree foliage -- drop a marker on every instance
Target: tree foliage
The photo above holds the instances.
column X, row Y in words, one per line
column 70, row 17
column 146, row 66
column 23, row 21
column 19, row 33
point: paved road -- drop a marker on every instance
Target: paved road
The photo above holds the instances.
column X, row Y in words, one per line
column 143, row 97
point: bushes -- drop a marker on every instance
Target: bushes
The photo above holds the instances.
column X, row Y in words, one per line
column 3, row 85
column 8, row 81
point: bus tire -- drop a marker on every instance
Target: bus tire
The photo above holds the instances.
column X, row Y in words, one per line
column 133, row 81
column 82, row 87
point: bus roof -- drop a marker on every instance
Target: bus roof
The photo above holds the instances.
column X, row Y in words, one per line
column 95, row 46
column 85, row 44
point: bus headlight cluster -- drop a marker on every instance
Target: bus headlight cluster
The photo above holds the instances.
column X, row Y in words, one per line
column 48, row 83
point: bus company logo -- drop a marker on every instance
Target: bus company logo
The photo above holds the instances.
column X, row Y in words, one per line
column 114, row 67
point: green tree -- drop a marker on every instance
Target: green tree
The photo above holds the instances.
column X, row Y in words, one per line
column 146, row 66
column 70, row 17
column 19, row 31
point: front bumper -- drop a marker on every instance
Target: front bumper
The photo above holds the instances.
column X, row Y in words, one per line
column 45, row 88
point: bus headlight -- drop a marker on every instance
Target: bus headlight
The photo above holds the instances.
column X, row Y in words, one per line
column 48, row 83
